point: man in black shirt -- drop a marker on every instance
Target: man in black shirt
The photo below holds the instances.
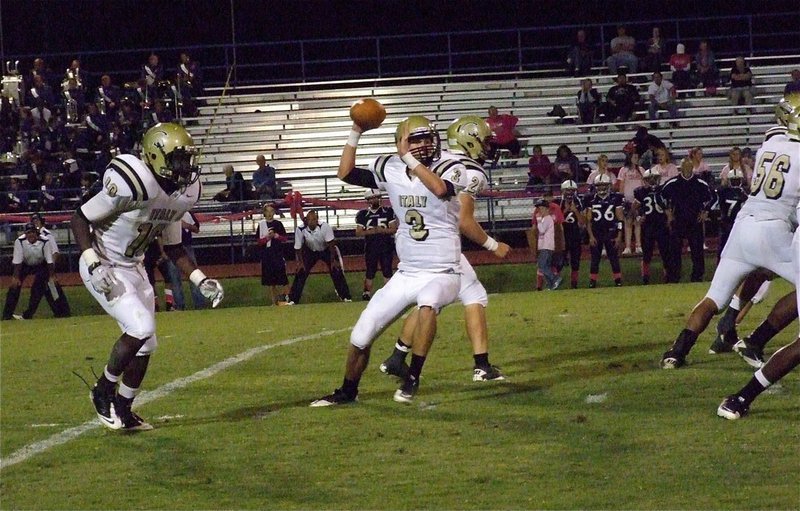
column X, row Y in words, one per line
column 377, row 225
column 689, row 198
column 650, row 206
column 622, row 99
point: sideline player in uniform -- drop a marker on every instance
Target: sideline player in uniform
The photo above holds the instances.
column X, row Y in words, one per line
column 730, row 199
column 377, row 225
column 604, row 221
column 428, row 246
column 761, row 236
column 468, row 142
column 139, row 200
column 650, row 206
column 572, row 208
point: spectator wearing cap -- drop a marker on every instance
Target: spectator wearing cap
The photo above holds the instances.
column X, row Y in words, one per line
column 681, row 65
column 793, row 87
column 32, row 255
column 271, row 236
column 314, row 242
column 546, row 243
column 377, row 225
column 622, row 48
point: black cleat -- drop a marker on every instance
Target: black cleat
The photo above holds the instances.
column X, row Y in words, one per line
column 753, row 355
column 719, row 346
column 130, row 419
column 488, row 373
column 103, row 402
column 338, row 397
column 592, row 284
column 732, row 408
column 366, row 296
column 394, row 367
column 672, row 360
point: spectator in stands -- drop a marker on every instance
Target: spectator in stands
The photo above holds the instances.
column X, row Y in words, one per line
column 622, row 48
column 190, row 83
column 661, row 96
column 152, row 71
column 540, row 170
column 41, row 90
column 50, row 194
column 644, row 144
column 794, row 84
column 98, row 127
column 706, row 65
column 264, row 180
column 622, row 99
column 741, row 89
column 735, row 163
column 160, row 113
column 566, row 165
column 272, row 238
column 14, row 199
column 236, row 188
column 655, row 51
column 748, row 159
column 699, row 165
column 664, row 166
column 313, row 242
column 681, row 65
column 602, row 170
column 41, row 115
column 109, row 95
column 579, row 59
column 629, row 178
column 505, row 133
column 588, row 102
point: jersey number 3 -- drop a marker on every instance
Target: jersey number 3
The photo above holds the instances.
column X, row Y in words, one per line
column 769, row 175
column 417, row 231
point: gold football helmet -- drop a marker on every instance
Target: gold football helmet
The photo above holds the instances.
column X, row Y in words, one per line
column 421, row 129
column 169, row 151
column 787, row 113
column 470, row 135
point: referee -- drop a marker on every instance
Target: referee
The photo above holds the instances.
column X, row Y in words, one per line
column 688, row 198
column 377, row 225
column 32, row 255
column 314, row 242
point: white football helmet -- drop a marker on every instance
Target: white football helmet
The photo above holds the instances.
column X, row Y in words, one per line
column 651, row 176
column 602, row 183
column 568, row 188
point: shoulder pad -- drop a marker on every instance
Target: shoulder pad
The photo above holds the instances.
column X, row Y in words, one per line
column 440, row 167
column 775, row 131
column 380, row 167
column 138, row 178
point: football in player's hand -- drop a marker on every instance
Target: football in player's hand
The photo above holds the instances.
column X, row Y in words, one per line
column 367, row 113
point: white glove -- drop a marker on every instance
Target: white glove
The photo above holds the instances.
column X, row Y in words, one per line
column 212, row 290
column 102, row 278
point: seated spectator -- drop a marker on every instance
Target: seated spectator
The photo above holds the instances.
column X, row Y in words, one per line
column 540, row 170
column 505, row 132
column 108, row 95
column 41, row 91
column 699, row 165
column 14, row 198
column 235, row 186
column 160, row 113
column 602, row 170
column 664, row 166
column 588, row 102
column 50, row 193
column 748, row 159
column 741, row 84
column 566, row 165
column 794, row 84
column 622, row 48
column 706, row 65
column 661, row 96
column 681, row 65
column 656, row 46
column 152, row 72
column 579, row 59
column 735, row 163
column 622, row 99
column 266, row 188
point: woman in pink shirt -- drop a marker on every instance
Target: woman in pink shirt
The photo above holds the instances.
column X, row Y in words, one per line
column 602, row 168
column 664, row 165
column 540, row 170
column 735, row 162
column 545, row 229
column 629, row 179
column 699, row 166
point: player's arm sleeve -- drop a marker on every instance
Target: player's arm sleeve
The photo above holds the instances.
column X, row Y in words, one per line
column 171, row 235
column 17, row 257
column 361, row 177
column 115, row 196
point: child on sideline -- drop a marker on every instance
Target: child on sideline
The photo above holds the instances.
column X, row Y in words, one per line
column 545, row 227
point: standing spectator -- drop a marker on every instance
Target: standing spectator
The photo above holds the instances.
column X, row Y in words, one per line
column 699, row 165
column 264, row 180
column 272, row 237
column 156, row 257
column 545, row 229
column 152, row 71
column 707, row 70
column 32, row 256
column 735, row 163
column 794, row 84
column 650, row 208
column 622, row 48
column 41, row 92
column 190, row 83
column 588, row 102
column 235, row 186
column 661, row 95
column 602, row 170
column 688, row 197
column 108, row 95
column 731, row 197
column 748, row 160
column 540, row 170
column 377, row 225
column 505, row 132
column 655, row 51
column 190, row 226
column 681, row 65
column 630, row 177
column 571, row 206
column 566, row 165
column 314, row 242
column 579, row 59
column 664, row 166
column 622, row 99
column 741, row 84
column 604, row 223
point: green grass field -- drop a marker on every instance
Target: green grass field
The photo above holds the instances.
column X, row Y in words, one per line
column 585, row 420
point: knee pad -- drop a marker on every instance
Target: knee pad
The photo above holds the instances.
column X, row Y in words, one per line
column 149, row 347
column 366, row 330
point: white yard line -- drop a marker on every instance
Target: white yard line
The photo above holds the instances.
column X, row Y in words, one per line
column 67, row 435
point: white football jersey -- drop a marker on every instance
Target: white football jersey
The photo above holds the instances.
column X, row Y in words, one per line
column 132, row 209
column 775, row 187
column 427, row 237
column 476, row 182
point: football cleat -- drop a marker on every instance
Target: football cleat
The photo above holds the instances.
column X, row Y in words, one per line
column 732, row 408
column 347, row 300
column 394, row 367
column 719, row 346
column 103, row 402
column 672, row 360
column 490, row 373
column 405, row 394
column 366, row 296
column 753, row 355
column 338, row 397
